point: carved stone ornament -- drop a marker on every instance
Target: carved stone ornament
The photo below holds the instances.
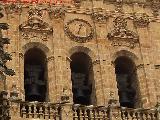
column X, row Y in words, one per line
column 155, row 8
column 35, row 23
column 13, row 8
column 77, row 3
column 141, row 20
column 35, row 28
column 120, row 35
column 119, row 6
column 57, row 12
column 100, row 18
column 79, row 30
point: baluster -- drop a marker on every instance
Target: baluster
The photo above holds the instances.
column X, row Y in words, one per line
column 100, row 114
column 123, row 114
column 57, row 112
column 90, row 112
column 46, row 115
column 133, row 114
column 52, row 111
column 49, row 108
column 75, row 114
column 23, row 111
column 126, row 115
column 84, row 113
column 41, row 111
column 138, row 116
column 29, row 111
column 80, row 114
column 104, row 117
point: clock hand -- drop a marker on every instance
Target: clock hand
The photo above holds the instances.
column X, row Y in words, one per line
column 80, row 26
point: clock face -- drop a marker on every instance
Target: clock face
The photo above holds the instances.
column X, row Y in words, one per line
column 79, row 30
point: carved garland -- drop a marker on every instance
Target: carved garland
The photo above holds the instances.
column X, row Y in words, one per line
column 121, row 36
column 141, row 20
column 100, row 18
column 79, row 39
column 57, row 12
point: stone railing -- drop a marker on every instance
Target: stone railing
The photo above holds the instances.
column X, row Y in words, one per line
column 19, row 110
column 40, row 110
column 66, row 111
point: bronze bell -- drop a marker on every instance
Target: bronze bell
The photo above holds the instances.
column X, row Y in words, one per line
column 124, row 99
column 34, row 92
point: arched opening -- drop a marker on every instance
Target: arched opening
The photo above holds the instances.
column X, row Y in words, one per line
column 127, row 82
column 35, row 75
column 82, row 78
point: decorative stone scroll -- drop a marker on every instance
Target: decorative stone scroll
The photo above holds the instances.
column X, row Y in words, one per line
column 100, row 18
column 141, row 20
column 57, row 12
column 121, row 36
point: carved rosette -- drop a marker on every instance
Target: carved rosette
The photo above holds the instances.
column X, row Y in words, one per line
column 141, row 20
column 121, row 36
column 99, row 18
column 57, row 13
column 13, row 8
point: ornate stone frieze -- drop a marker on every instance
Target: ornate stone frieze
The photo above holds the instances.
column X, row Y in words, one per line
column 57, row 12
column 12, row 8
column 34, row 36
column 100, row 18
column 141, row 20
column 120, row 35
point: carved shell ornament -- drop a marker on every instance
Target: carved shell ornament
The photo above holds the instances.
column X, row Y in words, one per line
column 79, row 30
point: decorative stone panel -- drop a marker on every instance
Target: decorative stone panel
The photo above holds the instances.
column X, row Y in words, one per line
column 120, row 35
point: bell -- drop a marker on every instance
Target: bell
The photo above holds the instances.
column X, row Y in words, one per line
column 124, row 100
column 34, row 92
column 80, row 95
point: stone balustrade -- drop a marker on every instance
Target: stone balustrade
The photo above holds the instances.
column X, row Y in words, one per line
column 40, row 110
column 19, row 110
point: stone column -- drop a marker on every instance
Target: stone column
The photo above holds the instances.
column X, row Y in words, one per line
column 20, row 85
column 51, row 81
column 143, row 100
column 98, row 83
column 146, row 55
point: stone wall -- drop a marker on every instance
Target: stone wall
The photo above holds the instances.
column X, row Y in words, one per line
column 47, row 27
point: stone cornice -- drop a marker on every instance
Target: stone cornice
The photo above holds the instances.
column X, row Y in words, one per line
column 88, row 11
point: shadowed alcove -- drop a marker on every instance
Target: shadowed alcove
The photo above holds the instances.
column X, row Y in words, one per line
column 35, row 75
column 127, row 82
column 82, row 78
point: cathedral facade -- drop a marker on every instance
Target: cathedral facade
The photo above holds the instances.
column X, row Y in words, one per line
column 82, row 52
